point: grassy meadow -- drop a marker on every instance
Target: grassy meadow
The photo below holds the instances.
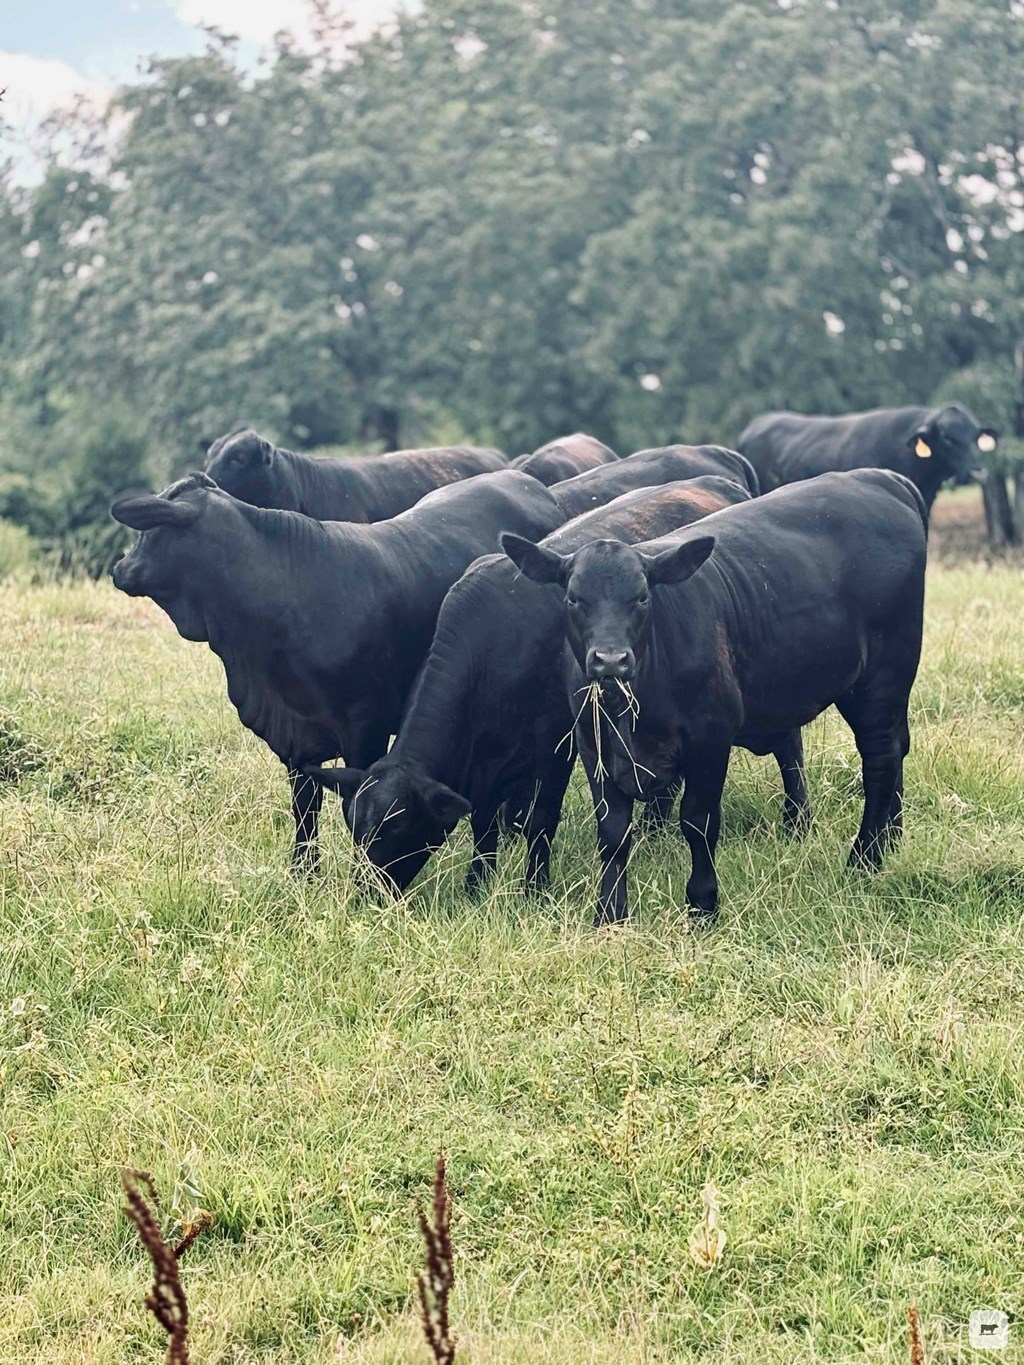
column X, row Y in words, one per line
column 842, row 1058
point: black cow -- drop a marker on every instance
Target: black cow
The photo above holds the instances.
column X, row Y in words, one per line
column 488, row 725
column 364, row 488
column 564, row 458
column 647, row 469
column 926, row 445
column 321, row 626
column 811, row 595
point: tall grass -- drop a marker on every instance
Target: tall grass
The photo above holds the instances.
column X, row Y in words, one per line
column 841, row 1059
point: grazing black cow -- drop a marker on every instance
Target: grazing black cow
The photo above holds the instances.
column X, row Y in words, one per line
column 321, row 626
column 811, row 595
column 926, row 445
column 488, row 724
column 364, row 488
column 647, row 469
column 564, row 458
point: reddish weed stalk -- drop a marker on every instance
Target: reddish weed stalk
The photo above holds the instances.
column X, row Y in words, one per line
column 166, row 1300
column 435, row 1285
column 916, row 1344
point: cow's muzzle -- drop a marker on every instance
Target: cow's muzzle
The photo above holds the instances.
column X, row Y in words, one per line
column 121, row 576
column 605, row 664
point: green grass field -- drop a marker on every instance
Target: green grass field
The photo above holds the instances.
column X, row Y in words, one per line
column 842, row 1057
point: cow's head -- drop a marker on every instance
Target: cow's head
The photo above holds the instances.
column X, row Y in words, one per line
column 397, row 813
column 165, row 561
column 251, row 469
column 954, row 440
column 607, row 599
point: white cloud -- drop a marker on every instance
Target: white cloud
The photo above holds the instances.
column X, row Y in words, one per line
column 35, row 88
column 258, row 20
column 38, row 85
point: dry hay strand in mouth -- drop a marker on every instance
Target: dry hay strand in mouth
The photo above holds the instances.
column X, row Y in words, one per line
column 632, row 703
column 593, row 698
column 594, row 693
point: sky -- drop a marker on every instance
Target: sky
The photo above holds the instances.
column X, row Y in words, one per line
column 53, row 50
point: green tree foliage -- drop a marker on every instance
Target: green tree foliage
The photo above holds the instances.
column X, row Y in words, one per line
column 505, row 220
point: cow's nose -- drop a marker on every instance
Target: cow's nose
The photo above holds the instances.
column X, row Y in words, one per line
column 609, row 663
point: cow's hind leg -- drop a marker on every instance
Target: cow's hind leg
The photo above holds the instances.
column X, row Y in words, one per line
column 700, row 819
column 878, row 725
column 796, row 810
column 307, row 798
column 893, row 832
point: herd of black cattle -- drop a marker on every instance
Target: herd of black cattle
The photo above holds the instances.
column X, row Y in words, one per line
column 498, row 618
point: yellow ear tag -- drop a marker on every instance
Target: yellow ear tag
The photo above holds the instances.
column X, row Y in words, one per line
column 922, row 448
column 986, row 442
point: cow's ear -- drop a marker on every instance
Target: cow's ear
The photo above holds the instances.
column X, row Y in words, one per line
column 987, row 439
column 447, row 807
column 146, row 510
column 679, row 563
column 344, row 781
column 537, row 563
column 921, row 442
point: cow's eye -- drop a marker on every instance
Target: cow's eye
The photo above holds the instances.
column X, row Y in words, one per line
column 572, row 601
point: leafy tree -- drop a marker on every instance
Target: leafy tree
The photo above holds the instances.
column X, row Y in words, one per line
column 503, row 221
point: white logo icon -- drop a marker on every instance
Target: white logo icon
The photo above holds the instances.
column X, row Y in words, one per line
column 988, row 1330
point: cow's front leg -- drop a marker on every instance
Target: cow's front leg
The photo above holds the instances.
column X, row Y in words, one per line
column 485, row 850
column 796, row 810
column 366, row 740
column 700, row 819
column 307, row 798
column 613, row 813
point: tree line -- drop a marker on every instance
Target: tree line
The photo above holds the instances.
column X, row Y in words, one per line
column 504, row 220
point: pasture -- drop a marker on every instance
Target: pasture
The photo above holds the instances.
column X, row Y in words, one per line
column 842, row 1057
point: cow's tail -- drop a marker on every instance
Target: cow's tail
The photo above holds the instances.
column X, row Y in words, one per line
column 919, row 502
column 744, row 471
column 914, row 496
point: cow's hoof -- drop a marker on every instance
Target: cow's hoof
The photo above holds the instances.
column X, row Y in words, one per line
column 864, row 860
column 797, row 827
column 609, row 919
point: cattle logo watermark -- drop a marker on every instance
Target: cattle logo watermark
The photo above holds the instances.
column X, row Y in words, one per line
column 988, row 1329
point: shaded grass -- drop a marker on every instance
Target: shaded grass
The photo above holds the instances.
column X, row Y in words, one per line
column 843, row 1056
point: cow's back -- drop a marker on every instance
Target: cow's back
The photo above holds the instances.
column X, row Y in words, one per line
column 844, row 546
column 786, row 447
column 565, row 458
column 373, row 488
column 650, row 468
column 460, row 521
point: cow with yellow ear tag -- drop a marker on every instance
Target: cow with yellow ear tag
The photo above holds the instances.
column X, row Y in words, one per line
column 929, row 446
